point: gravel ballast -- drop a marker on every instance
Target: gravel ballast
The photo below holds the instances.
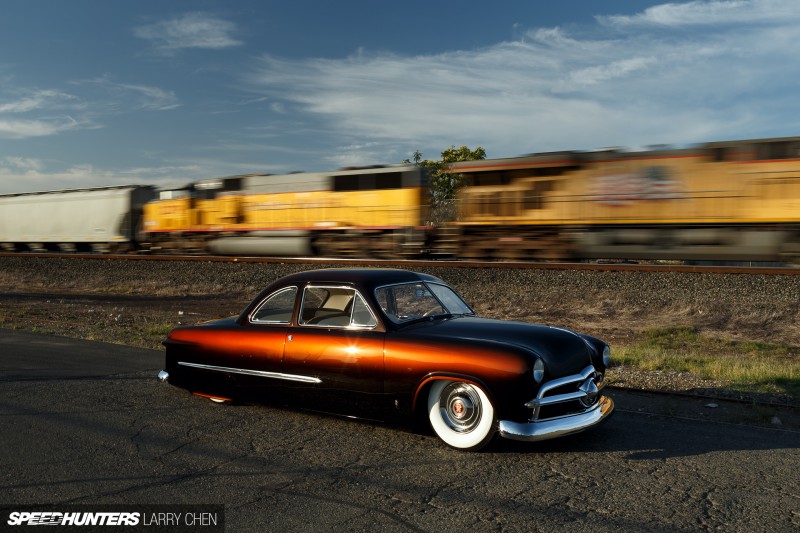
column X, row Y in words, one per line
column 137, row 301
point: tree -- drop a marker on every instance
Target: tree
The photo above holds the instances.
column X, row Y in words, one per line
column 444, row 185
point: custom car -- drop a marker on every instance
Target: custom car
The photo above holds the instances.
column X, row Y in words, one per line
column 386, row 343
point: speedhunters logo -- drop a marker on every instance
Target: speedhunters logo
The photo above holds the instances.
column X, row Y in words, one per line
column 45, row 518
column 141, row 517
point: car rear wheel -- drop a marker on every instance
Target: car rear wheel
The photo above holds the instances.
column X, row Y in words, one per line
column 461, row 414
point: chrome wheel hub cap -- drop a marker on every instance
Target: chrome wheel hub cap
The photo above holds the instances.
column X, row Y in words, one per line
column 460, row 407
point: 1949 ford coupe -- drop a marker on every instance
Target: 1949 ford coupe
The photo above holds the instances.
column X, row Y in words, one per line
column 377, row 343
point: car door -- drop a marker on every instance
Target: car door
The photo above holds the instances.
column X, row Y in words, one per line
column 339, row 342
column 260, row 344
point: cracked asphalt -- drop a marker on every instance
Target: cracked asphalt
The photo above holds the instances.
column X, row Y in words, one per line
column 87, row 423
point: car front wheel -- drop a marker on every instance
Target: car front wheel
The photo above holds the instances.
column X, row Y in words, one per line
column 461, row 414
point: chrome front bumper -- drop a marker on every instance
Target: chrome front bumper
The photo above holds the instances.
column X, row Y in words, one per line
column 558, row 427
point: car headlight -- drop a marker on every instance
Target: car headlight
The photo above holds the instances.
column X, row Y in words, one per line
column 538, row 371
column 606, row 356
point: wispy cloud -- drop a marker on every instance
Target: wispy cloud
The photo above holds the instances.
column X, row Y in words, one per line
column 38, row 113
column 25, row 129
column 36, row 99
column 191, row 30
column 126, row 97
column 30, row 113
column 615, row 83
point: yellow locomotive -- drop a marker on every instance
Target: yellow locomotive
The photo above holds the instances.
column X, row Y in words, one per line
column 722, row 201
column 379, row 211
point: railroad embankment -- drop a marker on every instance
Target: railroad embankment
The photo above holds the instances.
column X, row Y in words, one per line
column 137, row 301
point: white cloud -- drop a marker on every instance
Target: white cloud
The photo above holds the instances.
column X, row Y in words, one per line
column 35, row 100
column 191, row 30
column 24, row 129
column 556, row 90
column 711, row 13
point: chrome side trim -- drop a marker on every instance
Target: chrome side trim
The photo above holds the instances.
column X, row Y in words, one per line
column 557, row 427
column 258, row 373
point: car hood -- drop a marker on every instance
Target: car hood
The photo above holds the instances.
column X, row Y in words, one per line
column 564, row 352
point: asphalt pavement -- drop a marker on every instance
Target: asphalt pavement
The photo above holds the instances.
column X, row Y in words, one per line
column 85, row 423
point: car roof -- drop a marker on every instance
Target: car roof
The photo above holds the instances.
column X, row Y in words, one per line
column 368, row 278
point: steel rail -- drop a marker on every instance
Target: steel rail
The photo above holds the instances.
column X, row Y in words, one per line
column 500, row 265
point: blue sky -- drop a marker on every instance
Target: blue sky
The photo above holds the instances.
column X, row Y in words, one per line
column 102, row 93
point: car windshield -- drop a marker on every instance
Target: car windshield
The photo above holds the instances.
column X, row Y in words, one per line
column 412, row 301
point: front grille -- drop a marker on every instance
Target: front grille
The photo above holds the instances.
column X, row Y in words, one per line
column 560, row 409
column 568, row 395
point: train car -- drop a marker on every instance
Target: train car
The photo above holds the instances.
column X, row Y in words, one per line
column 373, row 211
column 722, row 201
column 102, row 219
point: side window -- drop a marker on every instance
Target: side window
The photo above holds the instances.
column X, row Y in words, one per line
column 408, row 301
column 276, row 308
column 335, row 307
column 362, row 316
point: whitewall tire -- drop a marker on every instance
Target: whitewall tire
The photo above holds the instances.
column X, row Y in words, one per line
column 461, row 414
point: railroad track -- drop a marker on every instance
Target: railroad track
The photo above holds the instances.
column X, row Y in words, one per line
column 611, row 267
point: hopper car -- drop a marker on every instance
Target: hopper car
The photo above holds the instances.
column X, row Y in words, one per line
column 103, row 219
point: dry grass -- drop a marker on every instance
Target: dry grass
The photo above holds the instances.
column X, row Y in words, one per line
column 747, row 366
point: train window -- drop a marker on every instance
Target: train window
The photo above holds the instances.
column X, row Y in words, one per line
column 778, row 150
column 379, row 180
column 345, row 183
column 368, row 182
column 719, row 154
column 389, row 180
column 506, row 177
column 488, row 178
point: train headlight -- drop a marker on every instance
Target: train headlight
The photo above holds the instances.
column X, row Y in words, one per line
column 538, row 371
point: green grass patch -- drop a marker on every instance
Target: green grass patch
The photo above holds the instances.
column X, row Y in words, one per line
column 740, row 365
column 160, row 330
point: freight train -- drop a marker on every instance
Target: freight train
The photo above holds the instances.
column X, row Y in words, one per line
column 721, row 201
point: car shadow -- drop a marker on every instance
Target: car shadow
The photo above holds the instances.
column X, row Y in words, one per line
column 653, row 426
